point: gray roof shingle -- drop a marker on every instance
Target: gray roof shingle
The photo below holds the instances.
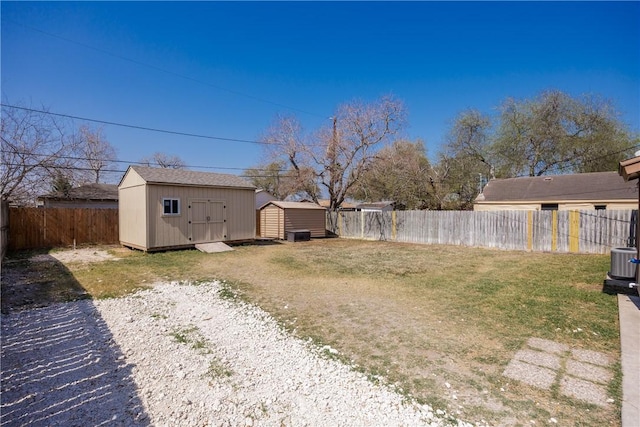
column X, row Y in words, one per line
column 594, row 186
column 187, row 177
column 86, row 192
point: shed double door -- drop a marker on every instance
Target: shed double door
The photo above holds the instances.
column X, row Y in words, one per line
column 207, row 221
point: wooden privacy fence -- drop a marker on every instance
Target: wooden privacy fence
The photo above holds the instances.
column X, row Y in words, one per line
column 33, row 228
column 553, row 231
column 4, row 227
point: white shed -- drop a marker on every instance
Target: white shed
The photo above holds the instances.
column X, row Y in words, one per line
column 163, row 208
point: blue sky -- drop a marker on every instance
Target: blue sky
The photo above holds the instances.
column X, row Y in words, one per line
column 226, row 69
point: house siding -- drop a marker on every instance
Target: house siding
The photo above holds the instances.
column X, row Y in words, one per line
column 562, row 206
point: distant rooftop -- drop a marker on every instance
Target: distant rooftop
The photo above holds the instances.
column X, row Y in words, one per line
column 86, row 192
column 584, row 186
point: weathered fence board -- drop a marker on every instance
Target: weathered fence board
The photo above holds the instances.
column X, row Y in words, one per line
column 33, row 228
column 540, row 231
column 4, row 227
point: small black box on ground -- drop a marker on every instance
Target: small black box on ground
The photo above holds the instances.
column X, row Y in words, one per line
column 298, row 235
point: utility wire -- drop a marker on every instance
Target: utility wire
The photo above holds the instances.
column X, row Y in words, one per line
column 83, row 168
column 105, row 122
column 89, row 159
column 162, row 70
column 275, row 173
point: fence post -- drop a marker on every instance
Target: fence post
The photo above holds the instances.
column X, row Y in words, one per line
column 393, row 225
column 574, row 231
column 530, row 230
column 554, row 231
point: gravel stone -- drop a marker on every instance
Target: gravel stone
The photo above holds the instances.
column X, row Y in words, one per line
column 118, row 362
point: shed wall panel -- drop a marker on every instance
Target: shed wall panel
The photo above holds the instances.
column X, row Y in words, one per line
column 313, row 220
column 272, row 222
column 131, row 179
column 173, row 230
column 132, row 216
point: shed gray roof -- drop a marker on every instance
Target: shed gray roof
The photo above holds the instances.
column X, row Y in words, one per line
column 187, row 177
column 596, row 186
column 86, row 192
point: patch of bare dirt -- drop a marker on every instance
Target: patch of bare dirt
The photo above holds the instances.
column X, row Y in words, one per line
column 83, row 255
column 42, row 279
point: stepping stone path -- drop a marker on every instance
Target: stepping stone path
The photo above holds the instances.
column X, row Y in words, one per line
column 580, row 374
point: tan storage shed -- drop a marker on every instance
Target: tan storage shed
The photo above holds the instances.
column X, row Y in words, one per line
column 164, row 208
column 277, row 218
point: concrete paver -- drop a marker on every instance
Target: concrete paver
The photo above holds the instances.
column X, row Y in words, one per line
column 539, row 358
column 543, row 363
column 583, row 390
column 590, row 356
column 588, row 371
column 547, row 345
column 535, row 376
column 585, row 374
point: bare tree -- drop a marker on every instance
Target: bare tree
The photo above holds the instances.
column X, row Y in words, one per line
column 337, row 155
column 287, row 146
column 34, row 146
column 164, row 161
column 95, row 152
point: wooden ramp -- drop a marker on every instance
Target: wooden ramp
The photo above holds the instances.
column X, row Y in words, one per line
column 213, row 247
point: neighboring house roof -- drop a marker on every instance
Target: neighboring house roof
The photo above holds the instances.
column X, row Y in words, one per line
column 262, row 197
column 345, row 205
column 594, row 186
column 293, row 205
column 374, row 205
column 85, row 192
column 187, row 177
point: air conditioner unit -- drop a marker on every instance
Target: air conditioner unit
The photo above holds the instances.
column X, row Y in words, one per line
column 621, row 268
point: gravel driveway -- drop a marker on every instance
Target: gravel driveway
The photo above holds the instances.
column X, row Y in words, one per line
column 180, row 355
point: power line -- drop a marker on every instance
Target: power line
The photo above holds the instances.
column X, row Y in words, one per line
column 141, row 163
column 162, row 70
column 89, row 169
column 105, row 122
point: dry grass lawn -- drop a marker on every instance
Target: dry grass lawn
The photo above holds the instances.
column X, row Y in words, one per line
column 440, row 322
